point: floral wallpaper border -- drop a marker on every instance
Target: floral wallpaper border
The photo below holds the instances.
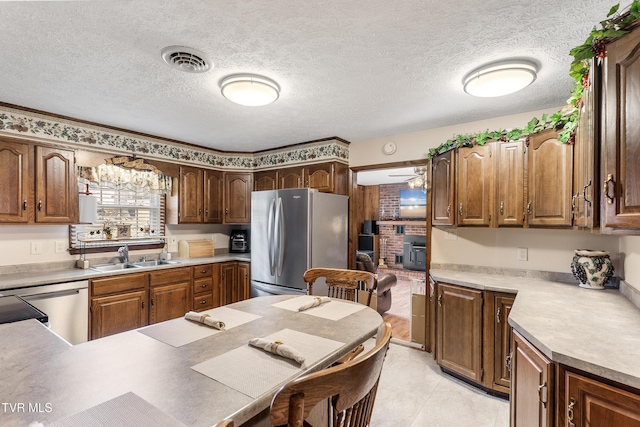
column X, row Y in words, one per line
column 23, row 123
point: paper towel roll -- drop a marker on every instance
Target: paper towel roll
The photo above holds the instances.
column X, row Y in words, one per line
column 88, row 209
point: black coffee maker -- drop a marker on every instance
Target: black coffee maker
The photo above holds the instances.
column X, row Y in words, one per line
column 239, row 241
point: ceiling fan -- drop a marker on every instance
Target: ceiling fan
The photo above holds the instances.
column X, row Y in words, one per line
column 417, row 179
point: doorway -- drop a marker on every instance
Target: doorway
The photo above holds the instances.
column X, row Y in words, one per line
column 391, row 203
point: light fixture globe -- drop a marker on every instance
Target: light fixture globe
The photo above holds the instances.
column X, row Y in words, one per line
column 500, row 79
column 249, row 89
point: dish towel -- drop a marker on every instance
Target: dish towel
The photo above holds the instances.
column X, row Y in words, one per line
column 316, row 301
column 277, row 347
column 205, row 319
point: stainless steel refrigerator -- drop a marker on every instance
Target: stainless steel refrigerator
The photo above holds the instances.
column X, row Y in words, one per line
column 293, row 230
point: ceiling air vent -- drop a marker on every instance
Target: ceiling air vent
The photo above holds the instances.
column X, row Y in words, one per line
column 186, row 59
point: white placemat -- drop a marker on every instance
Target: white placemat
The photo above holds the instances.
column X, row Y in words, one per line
column 180, row 331
column 334, row 310
column 253, row 371
column 128, row 410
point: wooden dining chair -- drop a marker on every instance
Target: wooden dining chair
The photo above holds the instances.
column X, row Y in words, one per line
column 225, row 423
column 351, row 388
column 342, row 283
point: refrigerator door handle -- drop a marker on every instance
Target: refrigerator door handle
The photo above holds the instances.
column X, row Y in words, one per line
column 271, row 237
column 281, row 236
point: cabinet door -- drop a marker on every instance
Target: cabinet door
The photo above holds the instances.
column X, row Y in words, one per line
column 532, row 389
column 459, row 323
column 190, row 195
column 510, row 185
column 228, row 272
column 502, row 349
column 212, row 196
column 585, row 155
column 265, row 180
column 237, row 197
column 319, row 177
column 443, row 189
column 290, row 178
column 621, row 133
column 590, row 403
column 56, row 186
column 118, row 313
column 15, row 202
column 475, row 189
column 550, row 173
column 169, row 301
column 242, row 288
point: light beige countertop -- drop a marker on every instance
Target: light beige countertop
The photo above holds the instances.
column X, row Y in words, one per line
column 39, row 368
column 597, row 331
column 47, row 275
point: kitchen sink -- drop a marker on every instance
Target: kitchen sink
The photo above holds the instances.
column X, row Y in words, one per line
column 114, row 267
column 153, row 263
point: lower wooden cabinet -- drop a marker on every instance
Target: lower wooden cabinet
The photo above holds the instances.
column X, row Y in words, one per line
column 234, row 281
column 205, row 294
column 532, row 386
column 118, row 313
column 459, row 324
column 169, row 301
column 502, row 342
column 243, row 285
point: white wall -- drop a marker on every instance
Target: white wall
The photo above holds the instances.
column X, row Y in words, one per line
column 415, row 145
column 15, row 241
column 630, row 250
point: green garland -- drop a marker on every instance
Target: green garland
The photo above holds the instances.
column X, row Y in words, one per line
column 566, row 120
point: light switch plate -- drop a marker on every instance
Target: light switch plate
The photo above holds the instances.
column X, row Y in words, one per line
column 36, row 248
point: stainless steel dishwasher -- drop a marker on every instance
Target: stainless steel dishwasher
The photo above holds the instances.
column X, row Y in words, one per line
column 66, row 304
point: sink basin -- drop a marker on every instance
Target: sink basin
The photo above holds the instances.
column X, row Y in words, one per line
column 113, row 267
column 153, row 263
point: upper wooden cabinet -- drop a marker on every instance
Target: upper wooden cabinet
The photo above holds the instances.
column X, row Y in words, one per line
column 330, row 177
column 621, row 133
column 475, row 185
column 443, row 189
column 265, row 180
column 40, row 184
column 549, row 180
column 510, row 183
column 199, row 199
column 237, row 197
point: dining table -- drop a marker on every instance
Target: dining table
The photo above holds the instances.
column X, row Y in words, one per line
column 179, row 372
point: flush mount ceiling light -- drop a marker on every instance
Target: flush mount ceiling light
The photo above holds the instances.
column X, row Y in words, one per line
column 186, row 59
column 500, row 79
column 249, row 89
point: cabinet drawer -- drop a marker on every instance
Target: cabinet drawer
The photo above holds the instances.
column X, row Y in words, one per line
column 122, row 283
column 202, row 285
column 172, row 275
column 203, row 302
column 202, row 271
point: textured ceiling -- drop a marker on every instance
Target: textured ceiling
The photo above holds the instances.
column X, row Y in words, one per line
column 356, row 69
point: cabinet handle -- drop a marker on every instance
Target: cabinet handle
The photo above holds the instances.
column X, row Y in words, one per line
column 507, row 361
column 529, row 208
column 498, row 316
column 574, row 206
column 40, row 205
column 540, row 388
column 460, row 210
column 501, row 207
column 143, row 305
column 605, row 188
column 152, row 302
column 24, row 205
column 204, row 285
column 200, row 211
column 203, row 302
column 572, row 403
column 204, row 271
column 448, row 211
column 584, row 193
column 226, row 211
column 440, row 300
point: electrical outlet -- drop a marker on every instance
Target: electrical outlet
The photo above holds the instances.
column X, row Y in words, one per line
column 523, row 254
column 36, row 248
column 171, row 240
column 61, row 246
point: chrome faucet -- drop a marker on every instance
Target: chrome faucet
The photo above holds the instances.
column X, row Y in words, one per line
column 124, row 253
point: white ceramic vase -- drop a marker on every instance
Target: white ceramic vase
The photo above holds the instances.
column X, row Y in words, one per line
column 592, row 268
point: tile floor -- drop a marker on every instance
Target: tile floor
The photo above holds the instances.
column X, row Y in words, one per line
column 413, row 392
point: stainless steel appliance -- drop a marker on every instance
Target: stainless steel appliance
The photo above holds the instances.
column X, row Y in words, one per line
column 66, row 304
column 239, row 241
column 15, row 309
column 293, row 230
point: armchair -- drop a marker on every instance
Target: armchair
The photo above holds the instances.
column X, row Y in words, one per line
column 386, row 281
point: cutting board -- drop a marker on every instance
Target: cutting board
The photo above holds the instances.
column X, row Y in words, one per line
column 195, row 248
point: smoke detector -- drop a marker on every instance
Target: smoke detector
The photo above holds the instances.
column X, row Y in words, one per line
column 186, row 59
